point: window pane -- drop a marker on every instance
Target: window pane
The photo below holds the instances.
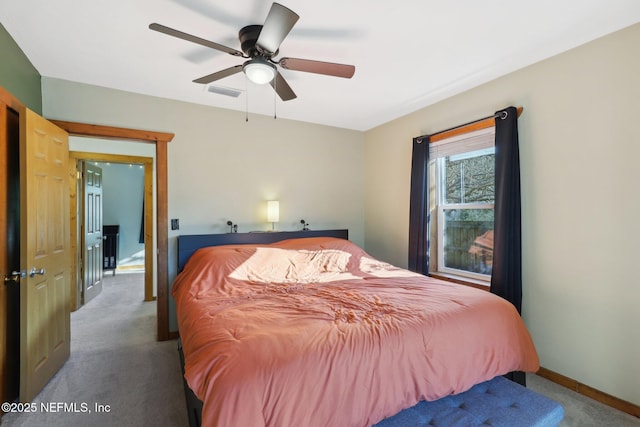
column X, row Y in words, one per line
column 470, row 177
column 468, row 240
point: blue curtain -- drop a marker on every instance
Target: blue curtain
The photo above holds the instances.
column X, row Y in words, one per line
column 419, row 207
column 506, row 278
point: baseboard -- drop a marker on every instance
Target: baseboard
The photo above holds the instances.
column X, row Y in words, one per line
column 585, row 390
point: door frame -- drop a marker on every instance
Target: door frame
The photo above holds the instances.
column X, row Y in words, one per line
column 9, row 379
column 147, row 162
column 160, row 139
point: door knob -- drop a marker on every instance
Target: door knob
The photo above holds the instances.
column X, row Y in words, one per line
column 35, row 271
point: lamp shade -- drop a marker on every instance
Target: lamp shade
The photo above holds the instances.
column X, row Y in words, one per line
column 273, row 211
column 259, row 71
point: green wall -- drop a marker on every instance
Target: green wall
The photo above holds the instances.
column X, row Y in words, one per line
column 17, row 74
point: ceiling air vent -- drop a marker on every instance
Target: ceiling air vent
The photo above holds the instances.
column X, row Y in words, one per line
column 224, row 91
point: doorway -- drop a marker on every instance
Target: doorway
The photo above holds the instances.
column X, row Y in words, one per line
column 76, row 158
column 123, row 217
column 160, row 140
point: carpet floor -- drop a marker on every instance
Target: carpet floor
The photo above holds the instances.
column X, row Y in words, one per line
column 116, row 362
column 579, row 410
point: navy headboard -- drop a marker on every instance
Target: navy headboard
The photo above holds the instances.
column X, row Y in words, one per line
column 188, row 244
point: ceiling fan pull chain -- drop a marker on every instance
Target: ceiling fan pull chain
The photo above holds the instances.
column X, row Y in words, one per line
column 275, row 90
column 246, row 110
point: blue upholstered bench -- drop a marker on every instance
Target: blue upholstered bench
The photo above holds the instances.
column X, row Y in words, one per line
column 498, row 402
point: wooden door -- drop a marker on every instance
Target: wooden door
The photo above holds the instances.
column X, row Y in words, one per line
column 44, row 252
column 92, row 232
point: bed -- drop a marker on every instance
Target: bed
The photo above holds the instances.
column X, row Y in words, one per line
column 307, row 330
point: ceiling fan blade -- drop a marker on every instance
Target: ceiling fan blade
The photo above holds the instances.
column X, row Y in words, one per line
column 279, row 22
column 188, row 37
column 219, row 75
column 282, row 88
column 318, row 67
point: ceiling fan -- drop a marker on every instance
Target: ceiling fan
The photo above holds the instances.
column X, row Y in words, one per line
column 260, row 44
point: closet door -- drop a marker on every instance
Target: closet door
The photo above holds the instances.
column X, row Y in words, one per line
column 45, row 254
column 92, row 242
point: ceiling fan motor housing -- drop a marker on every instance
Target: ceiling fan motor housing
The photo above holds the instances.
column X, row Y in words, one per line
column 248, row 37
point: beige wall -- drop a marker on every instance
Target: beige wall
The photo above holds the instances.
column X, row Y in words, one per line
column 580, row 167
column 223, row 168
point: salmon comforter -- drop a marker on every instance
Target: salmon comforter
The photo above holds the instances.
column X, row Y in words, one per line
column 315, row 332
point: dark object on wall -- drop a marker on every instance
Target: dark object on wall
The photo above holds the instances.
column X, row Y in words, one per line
column 111, row 236
column 233, row 228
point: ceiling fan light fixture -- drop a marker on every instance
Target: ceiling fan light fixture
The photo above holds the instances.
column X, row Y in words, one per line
column 259, row 71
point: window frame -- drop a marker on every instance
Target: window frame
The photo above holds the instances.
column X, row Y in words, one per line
column 487, row 134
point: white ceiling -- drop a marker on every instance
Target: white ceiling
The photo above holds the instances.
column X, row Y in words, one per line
column 408, row 53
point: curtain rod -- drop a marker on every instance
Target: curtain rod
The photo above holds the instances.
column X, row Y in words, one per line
column 478, row 124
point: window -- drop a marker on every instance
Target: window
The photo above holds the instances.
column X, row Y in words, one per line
column 462, row 170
